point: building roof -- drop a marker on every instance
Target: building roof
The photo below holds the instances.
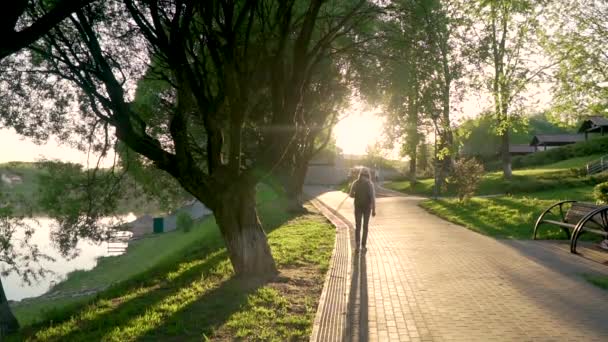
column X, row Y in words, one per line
column 556, row 139
column 521, row 148
column 593, row 124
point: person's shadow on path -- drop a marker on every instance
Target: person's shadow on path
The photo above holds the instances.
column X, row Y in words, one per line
column 358, row 324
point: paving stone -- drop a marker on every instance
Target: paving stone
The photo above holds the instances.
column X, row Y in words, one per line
column 437, row 281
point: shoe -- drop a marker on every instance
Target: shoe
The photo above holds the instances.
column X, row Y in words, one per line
column 604, row 244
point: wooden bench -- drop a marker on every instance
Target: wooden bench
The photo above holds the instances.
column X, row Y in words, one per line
column 580, row 217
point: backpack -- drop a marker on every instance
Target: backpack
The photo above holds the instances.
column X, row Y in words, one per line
column 362, row 193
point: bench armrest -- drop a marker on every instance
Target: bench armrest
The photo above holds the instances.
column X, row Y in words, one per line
column 548, row 210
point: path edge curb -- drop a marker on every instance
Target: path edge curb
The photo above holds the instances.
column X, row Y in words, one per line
column 325, row 327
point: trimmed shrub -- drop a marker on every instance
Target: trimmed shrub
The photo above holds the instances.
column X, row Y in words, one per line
column 465, row 178
column 184, row 221
column 600, row 192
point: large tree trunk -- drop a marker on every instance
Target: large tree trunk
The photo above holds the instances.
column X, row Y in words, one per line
column 8, row 322
column 294, row 188
column 242, row 231
column 413, row 168
column 506, row 156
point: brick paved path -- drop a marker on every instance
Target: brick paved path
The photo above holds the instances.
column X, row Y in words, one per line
column 424, row 279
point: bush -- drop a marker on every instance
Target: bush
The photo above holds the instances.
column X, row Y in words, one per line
column 465, row 177
column 184, row 221
column 600, row 192
column 581, row 149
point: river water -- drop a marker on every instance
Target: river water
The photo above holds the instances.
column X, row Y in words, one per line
column 87, row 259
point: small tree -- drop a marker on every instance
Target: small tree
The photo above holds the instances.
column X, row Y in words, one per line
column 465, row 177
column 184, row 221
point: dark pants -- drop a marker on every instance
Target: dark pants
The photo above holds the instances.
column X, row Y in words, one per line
column 362, row 212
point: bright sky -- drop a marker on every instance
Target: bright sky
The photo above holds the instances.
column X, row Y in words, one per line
column 361, row 128
column 358, row 130
column 17, row 148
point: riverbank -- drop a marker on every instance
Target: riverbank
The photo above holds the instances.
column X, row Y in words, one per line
column 81, row 285
column 191, row 292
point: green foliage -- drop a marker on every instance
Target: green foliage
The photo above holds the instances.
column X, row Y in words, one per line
column 600, row 192
column 508, row 217
column 184, row 221
column 192, row 294
column 143, row 255
column 600, row 281
column 566, row 173
column 477, row 136
column 465, row 177
column 581, row 149
column 80, row 201
column 580, row 58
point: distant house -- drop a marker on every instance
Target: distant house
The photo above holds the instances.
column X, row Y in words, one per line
column 594, row 124
column 543, row 142
column 521, row 149
column 147, row 224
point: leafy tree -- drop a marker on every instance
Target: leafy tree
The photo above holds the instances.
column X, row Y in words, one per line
column 579, row 49
column 446, row 24
column 477, row 139
column 506, row 57
column 236, row 70
column 322, row 101
column 18, row 30
column 424, row 159
column 82, row 202
column 406, row 85
column 17, row 255
column 421, row 64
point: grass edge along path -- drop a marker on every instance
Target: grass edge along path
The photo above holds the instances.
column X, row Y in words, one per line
column 194, row 294
column 506, row 217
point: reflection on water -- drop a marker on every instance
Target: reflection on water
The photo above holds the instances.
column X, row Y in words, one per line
column 86, row 260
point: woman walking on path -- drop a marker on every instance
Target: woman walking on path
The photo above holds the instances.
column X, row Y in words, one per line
column 363, row 192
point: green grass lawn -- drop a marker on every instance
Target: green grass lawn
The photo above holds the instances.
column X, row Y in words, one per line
column 142, row 255
column 509, row 217
column 600, row 281
column 192, row 294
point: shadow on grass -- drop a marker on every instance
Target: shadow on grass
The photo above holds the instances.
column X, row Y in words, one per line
column 497, row 217
column 187, row 295
column 122, row 304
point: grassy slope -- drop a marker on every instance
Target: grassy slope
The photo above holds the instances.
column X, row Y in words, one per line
column 192, row 294
column 533, row 189
column 142, row 256
column 553, row 176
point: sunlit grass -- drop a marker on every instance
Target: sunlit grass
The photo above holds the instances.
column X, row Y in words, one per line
column 266, row 318
column 556, row 176
column 510, row 217
column 193, row 295
column 142, row 255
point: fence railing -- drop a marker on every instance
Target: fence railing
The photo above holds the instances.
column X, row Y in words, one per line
column 598, row 165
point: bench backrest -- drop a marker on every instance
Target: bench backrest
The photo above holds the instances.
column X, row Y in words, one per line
column 580, row 209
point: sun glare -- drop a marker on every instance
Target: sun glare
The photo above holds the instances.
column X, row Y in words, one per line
column 358, row 130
